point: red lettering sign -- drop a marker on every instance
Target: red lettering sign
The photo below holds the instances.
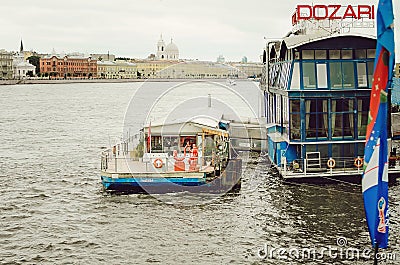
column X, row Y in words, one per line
column 332, row 12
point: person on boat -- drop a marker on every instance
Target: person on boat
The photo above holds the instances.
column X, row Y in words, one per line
column 295, row 166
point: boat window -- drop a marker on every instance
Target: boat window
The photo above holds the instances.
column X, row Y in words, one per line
column 343, row 151
column 361, row 53
column 316, row 118
column 294, row 107
column 320, row 54
column 342, row 118
column 307, row 54
column 170, row 144
column 156, row 144
column 371, row 53
column 309, row 75
column 348, row 74
column 335, row 71
column 362, row 75
column 323, row 149
column 322, row 76
column 347, row 54
column 187, row 140
column 361, row 149
column 295, row 83
column 334, row 54
column 370, row 69
column 295, row 126
column 362, row 117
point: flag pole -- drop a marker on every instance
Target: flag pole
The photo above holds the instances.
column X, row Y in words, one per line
column 375, row 254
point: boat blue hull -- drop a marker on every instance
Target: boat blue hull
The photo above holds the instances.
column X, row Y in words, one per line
column 230, row 180
column 137, row 185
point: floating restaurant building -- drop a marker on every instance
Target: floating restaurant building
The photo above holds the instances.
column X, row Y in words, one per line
column 317, row 83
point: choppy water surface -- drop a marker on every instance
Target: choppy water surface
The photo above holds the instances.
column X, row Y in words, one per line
column 53, row 209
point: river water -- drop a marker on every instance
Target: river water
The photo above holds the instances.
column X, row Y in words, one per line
column 53, row 209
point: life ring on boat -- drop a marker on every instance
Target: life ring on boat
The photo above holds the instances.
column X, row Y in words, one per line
column 158, row 163
column 331, row 163
column 358, row 162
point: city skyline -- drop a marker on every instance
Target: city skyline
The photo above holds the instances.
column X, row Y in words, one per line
column 202, row 30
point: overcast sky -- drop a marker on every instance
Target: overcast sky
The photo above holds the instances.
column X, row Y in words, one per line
column 201, row 29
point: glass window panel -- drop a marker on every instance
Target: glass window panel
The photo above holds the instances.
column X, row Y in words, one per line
column 311, row 148
column 311, row 125
column 361, row 53
column 362, row 76
column 294, row 106
column 170, row 143
column 295, row 126
column 361, row 147
column 322, row 76
column 371, row 53
column 348, row 150
column 370, row 67
column 323, row 149
column 309, row 75
column 347, row 54
column 336, row 151
column 307, row 54
column 320, row 54
column 348, row 74
column 295, row 83
column 334, row 54
column 335, row 71
column 337, row 125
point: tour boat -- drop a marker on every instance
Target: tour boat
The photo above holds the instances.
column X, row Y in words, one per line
column 317, row 83
column 193, row 156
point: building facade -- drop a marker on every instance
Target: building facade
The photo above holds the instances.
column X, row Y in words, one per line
column 21, row 67
column 68, row 66
column 116, row 70
column 6, row 65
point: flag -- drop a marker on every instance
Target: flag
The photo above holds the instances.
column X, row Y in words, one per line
column 375, row 177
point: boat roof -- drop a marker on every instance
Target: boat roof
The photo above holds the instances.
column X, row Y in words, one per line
column 181, row 127
column 293, row 41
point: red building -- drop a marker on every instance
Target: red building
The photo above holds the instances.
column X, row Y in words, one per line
column 68, row 67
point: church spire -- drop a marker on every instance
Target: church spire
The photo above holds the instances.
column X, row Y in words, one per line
column 21, row 47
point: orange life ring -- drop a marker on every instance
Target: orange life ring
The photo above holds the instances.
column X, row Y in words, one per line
column 158, row 163
column 358, row 162
column 331, row 163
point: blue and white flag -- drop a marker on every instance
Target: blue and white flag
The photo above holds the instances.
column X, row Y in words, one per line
column 375, row 178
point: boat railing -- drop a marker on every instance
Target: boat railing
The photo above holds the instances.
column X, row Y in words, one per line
column 125, row 163
column 334, row 165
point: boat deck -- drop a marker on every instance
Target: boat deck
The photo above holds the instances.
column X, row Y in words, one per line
column 323, row 175
column 124, row 167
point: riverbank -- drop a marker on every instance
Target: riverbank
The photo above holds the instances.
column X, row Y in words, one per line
column 73, row 81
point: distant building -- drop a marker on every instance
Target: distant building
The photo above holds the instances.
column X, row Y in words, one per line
column 151, row 68
column 103, row 57
column 116, row 70
column 249, row 69
column 68, row 66
column 6, row 65
column 21, row 67
column 244, row 59
column 167, row 52
column 221, row 59
column 200, row 70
